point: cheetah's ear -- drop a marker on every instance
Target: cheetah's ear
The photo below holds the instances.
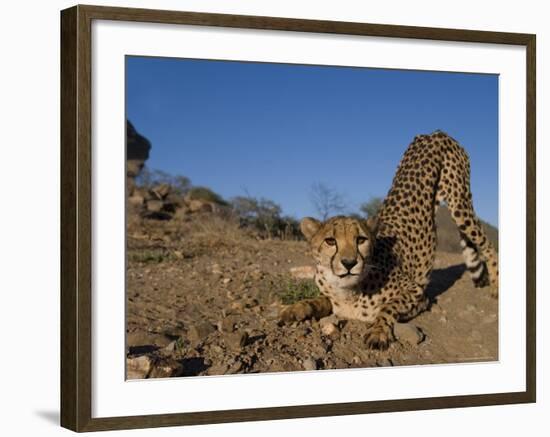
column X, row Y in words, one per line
column 372, row 224
column 309, row 227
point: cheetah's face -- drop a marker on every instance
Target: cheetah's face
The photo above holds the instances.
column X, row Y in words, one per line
column 342, row 247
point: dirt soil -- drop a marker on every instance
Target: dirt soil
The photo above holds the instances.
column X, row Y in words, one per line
column 204, row 296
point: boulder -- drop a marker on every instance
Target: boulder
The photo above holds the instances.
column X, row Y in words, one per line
column 154, row 205
column 137, row 150
column 136, row 200
column 161, row 191
column 200, row 331
column 408, row 333
column 138, row 367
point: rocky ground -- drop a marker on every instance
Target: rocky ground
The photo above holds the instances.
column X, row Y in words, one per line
column 203, row 298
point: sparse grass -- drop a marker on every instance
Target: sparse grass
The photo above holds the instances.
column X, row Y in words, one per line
column 179, row 344
column 149, row 256
column 293, row 290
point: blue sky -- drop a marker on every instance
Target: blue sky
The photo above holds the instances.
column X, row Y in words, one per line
column 273, row 130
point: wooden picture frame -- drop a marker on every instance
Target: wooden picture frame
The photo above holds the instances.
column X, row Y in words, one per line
column 76, row 217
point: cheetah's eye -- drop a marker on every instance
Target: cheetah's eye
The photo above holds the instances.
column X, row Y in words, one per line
column 330, row 241
column 361, row 240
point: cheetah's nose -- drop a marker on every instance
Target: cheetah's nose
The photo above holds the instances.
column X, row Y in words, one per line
column 348, row 263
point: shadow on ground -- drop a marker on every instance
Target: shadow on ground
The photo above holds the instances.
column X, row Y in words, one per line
column 443, row 279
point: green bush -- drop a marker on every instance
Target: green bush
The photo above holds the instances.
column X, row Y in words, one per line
column 264, row 216
column 294, row 290
column 148, row 179
column 205, row 194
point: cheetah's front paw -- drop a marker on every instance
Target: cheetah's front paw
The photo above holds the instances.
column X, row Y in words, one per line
column 296, row 312
column 379, row 336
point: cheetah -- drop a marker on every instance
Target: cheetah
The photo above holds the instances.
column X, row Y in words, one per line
column 377, row 270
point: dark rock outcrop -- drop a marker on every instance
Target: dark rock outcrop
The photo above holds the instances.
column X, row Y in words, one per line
column 137, row 152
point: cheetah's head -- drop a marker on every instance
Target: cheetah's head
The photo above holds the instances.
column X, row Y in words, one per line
column 342, row 247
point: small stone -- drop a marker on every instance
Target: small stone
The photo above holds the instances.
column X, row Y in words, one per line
column 408, row 333
column 178, row 254
column 226, row 281
column 154, row 205
column 170, row 347
column 235, row 340
column 227, row 324
column 237, row 306
column 309, row 364
column 218, row 369
column 139, row 367
column 328, row 328
column 136, row 200
column 166, row 368
column 200, row 331
column 161, row 191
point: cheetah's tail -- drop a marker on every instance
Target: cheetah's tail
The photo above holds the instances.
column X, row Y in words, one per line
column 475, row 266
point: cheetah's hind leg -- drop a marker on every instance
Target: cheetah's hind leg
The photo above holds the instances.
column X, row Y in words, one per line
column 480, row 256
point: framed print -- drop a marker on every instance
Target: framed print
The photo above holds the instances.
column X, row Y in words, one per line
column 282, row 218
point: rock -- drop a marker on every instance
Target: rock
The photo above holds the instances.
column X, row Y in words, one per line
column 136, row 200
column 170, row 347
column 139, row 367
column 218, row 369
column 309, row 364
column 166, row 368
column 329, row 326
column 154, row 205
column 227, row 324
column 226, row 281
column 200, row 331
column 237, row 306
column 236, row 367
column 302, row 272
column 181, row 212
column 161, row 191
column 235, row 340
column 137, row 148
column 406, row 332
